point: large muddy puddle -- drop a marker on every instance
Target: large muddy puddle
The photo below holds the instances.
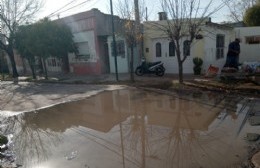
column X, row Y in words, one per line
column 135, row 129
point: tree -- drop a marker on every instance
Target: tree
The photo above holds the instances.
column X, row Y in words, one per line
column 3, row 64
column 252, row 16
column 14, row 13
column 129, row 12
column 184, row 24
column 23, row 42
column 237, row 8
column 63, row 44
column 45, row 39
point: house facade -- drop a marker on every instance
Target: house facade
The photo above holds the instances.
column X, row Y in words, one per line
column 122, row 58
column 250, row 43
column 90, row 30
column 212, row 47
column 92, row 33
column 123, row 55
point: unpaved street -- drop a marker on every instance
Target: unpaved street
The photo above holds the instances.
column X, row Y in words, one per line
column 212, row 126
column 30, row 96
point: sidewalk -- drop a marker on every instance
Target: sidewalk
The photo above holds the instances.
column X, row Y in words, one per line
column 168, row 81
column 71, row 78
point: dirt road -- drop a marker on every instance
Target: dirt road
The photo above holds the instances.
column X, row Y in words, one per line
column 30, row 96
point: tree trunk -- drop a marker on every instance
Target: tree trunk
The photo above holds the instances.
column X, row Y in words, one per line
column 32, row 66
column 180, row 63
column 24, row 66
column 132, row 64
column 65, row 64
column 33, row 71
column 12, row 60
column 180, row 72
column 40, row 67
column 45, row 69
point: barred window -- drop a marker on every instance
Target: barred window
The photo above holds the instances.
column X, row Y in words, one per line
column 120, row 48
column 253, row 40
column 220, row 44
column 158, row 48
column 83, row 51
column 171, row 49
column 186, row 47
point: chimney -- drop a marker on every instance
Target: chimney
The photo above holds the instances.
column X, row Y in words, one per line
column 162, row 16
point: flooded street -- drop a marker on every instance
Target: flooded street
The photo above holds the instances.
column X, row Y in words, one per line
column 131, row 128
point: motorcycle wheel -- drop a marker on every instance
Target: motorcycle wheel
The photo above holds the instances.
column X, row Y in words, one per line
column 159, row 71
column 139, row 71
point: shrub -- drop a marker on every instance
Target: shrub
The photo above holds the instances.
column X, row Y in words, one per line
column 197, row 65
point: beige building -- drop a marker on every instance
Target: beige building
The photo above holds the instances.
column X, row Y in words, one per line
column 212, row 47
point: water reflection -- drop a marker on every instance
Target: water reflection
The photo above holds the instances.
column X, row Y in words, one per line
column 132, row 128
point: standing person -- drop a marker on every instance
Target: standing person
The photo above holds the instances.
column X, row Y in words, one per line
column 233, row 54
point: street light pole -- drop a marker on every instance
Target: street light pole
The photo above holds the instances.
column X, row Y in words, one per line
column 114, row 39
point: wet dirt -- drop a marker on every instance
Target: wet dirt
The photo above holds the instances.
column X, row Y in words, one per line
column 137, row 129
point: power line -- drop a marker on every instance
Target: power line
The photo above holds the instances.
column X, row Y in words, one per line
column 71, row 7
column 61, row 8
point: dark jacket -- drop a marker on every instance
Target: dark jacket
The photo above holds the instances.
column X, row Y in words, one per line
column 233, row 49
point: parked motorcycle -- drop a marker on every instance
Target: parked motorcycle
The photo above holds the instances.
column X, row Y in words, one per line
column 150, row 68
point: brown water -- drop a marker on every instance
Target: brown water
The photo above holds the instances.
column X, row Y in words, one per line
column 135, row 129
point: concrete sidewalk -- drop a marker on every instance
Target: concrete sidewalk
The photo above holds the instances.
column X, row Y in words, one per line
column 71, row 78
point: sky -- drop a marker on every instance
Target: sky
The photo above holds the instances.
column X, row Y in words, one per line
column 153, row 8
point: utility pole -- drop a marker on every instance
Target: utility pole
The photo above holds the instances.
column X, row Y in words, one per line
column 146, row 14
column 137, row 14
column 138, row 28
column 114, row 39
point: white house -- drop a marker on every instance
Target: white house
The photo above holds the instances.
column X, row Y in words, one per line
column 123, row 55
column 250, row 43
column 212, row 48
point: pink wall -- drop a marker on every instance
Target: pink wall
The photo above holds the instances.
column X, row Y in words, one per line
column 87, row 68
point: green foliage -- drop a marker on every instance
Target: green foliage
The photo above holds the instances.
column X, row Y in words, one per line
column 3, row 63
column 252, row 16
column 3, row 140
column 44, row 38
column 197, row 65
column 197, row 61
column 52, row 39
column 24, row 41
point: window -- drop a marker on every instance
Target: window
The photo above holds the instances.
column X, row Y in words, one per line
column 83, row 51
column 171, row 49
column 220, row 43
column 158, row 47
column 253, row 40
column 186, row 48
column 120, row 48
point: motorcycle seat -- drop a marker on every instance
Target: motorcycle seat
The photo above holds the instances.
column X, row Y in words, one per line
column 154, row 63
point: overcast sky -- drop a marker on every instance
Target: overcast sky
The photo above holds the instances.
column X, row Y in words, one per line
column 51, row 6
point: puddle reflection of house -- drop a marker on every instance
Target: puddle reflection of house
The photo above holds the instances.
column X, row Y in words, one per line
column 182, row 114
column 97, row 113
